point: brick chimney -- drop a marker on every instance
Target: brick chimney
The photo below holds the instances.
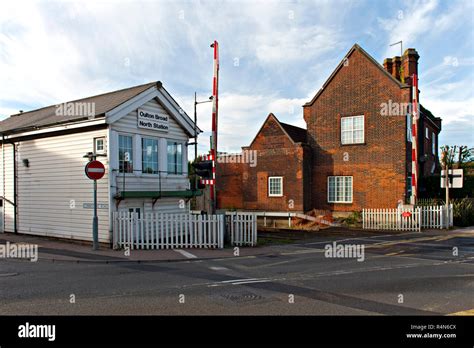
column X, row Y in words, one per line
column 396, row 64
column 387, row 64
column 409, row 64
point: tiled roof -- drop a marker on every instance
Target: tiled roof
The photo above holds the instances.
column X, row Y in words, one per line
column 297, row 134
column 47, row 116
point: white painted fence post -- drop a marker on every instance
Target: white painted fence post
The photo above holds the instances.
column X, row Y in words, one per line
column 255, row 230
column 221, row 231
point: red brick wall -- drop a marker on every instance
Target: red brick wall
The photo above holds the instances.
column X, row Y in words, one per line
column 379, row 166
column 276, row 156
column 229, row 176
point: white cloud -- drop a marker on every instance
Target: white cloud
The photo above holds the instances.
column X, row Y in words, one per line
column 241, row 116
column 415, row 20
column 295, row 44
column 451, row 110
column 57, row 51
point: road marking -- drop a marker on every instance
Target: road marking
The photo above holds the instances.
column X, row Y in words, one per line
column 241, row 281
column 468, row 312
column 274, row 263
column 360, row 238
column 8, row 274
column 306, row 251
column 253, row 282
column 236, row 257
column 185, row 253
column 395, row 253
column 238, row 280
column 219, row 268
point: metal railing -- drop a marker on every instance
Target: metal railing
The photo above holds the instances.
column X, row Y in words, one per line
column 121, row 178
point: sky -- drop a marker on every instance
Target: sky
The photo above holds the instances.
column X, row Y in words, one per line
column 274, row 55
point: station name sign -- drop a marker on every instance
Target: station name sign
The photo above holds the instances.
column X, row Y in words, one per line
column 152, row 121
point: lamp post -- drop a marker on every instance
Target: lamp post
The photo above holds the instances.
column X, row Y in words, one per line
column 195, row 127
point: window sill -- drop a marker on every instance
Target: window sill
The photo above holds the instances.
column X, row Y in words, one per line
column 353, row 144
column 125, row 174
column 175, row 175
column 151, row 175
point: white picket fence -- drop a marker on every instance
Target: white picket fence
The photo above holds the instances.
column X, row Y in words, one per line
column 243, row 228
column 436, row 216
column 168, row 231
column 391, row 219
column 408, row 219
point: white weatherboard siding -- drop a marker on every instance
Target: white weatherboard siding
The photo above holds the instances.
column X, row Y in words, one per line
column 137, row 181
column 54, row 196
column 6, row 187
column 53, row 189
column 162, row 205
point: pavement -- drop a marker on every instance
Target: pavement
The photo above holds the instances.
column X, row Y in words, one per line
column 63, row 251
column 428, row 273
column 50, row 249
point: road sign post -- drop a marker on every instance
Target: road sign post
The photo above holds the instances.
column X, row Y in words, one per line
column 95, row 170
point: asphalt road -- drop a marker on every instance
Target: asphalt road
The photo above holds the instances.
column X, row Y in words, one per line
column 407, row 274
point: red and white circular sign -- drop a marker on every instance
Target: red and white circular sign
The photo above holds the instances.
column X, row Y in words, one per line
column 406, row 214
column 95, row 170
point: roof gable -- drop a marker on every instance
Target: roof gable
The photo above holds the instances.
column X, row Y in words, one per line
column 162, row 96
column 294, row 134
column 104, row 105
column 341, row 64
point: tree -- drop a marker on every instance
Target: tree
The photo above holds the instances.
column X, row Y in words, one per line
column 465, row 156
column 456, row 156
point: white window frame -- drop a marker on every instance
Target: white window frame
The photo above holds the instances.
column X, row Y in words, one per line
column 280, row 178
column 183, row 146
column 427, row 133
column 352, row 130
column 142, row 138
column 104, row 146
column 345, row 177
column 132, row 153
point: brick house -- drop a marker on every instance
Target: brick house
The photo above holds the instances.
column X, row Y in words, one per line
column 357, row 146
column 277, row 179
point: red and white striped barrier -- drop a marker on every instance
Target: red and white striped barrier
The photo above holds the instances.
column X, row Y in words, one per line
column 212, row 181
column 215, row 107
column 414, row 145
